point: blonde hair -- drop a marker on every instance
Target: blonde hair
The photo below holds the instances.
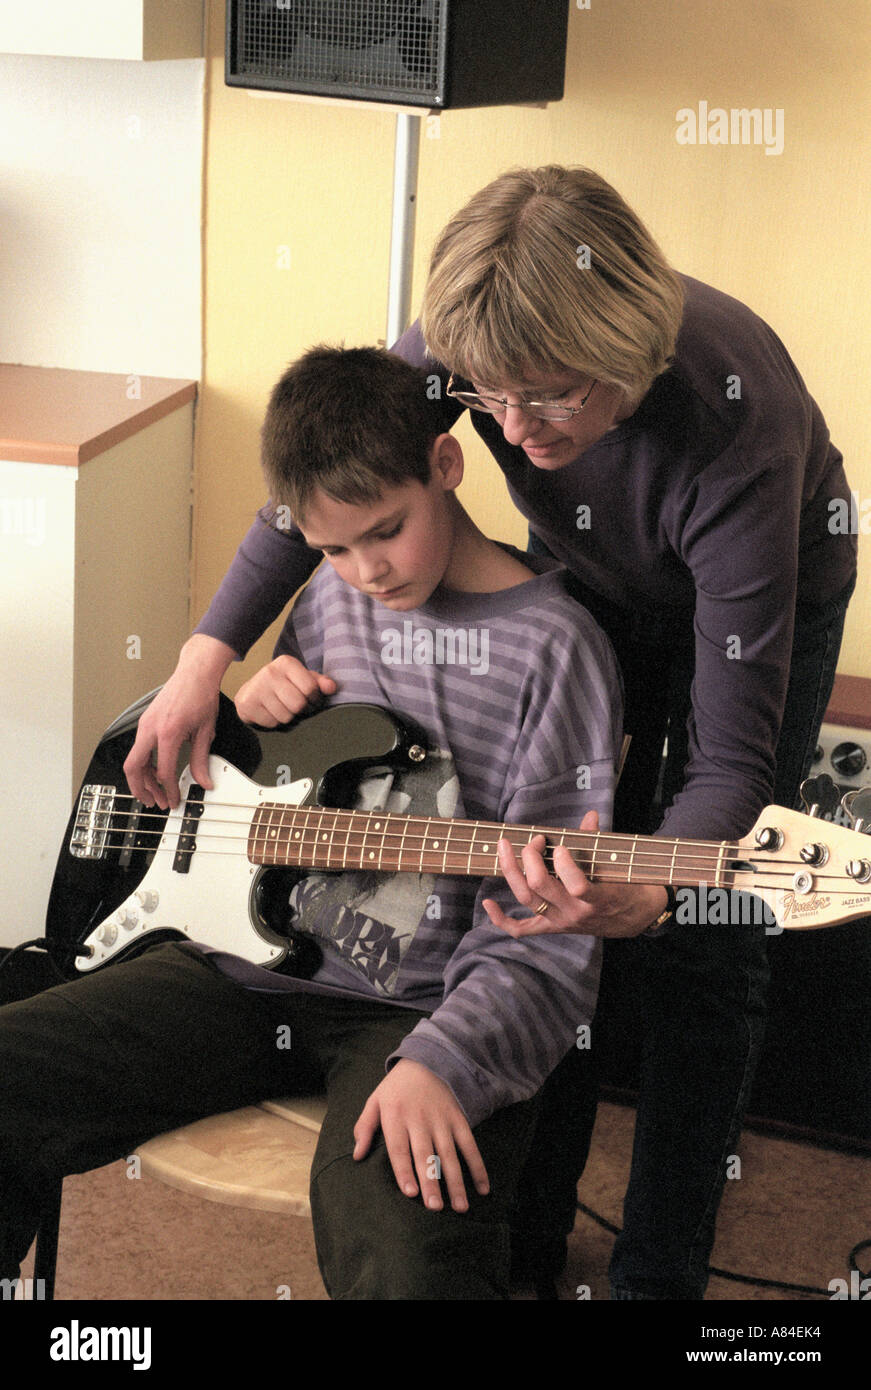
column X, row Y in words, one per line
column 510, row 290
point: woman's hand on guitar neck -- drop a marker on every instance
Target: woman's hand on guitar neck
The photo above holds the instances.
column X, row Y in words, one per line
column 574, row 904
column 186, row 707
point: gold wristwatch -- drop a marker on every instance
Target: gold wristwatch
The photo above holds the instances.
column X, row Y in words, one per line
column 658, row 926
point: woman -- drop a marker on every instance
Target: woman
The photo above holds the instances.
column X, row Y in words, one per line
column 663, row 446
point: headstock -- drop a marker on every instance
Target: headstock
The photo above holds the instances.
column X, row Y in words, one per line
column 811, row 872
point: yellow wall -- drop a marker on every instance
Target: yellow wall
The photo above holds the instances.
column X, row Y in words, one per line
column 298, row 221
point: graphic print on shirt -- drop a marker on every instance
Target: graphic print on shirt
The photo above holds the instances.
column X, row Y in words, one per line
column 371, row 919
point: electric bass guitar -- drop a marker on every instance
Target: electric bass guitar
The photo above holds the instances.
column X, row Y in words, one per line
column 218, row 869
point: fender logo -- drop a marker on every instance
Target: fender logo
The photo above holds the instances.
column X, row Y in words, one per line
column 817, row 902
column 804, row 907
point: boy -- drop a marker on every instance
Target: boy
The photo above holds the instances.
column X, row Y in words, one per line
column 427, row 1025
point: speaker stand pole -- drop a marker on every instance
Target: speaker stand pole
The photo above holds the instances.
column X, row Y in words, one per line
column 405, row 161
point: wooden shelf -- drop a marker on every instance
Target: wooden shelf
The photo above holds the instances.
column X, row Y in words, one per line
column 95, row 521
column 52, row 415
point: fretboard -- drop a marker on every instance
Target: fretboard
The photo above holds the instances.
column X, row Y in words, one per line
column 317, row 838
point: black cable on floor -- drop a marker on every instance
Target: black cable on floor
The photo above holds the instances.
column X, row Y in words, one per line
column 756, row 1280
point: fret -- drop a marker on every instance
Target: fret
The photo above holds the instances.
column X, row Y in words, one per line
column 593, row 858
column 348, row 824
column 366, row 853
column 447, row 845
column 284, row 832
column 308, row 856
column 400, row 852
column 631, row 858
column 485, row 849
column 561, row 842
column 297, row 836
column 719, row 869
column 673, row 858
column 354, row 842
column 319, row 837
column 381, row 846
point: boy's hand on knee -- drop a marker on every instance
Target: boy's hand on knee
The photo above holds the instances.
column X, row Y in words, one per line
column 423, row 1127
column 281, row 691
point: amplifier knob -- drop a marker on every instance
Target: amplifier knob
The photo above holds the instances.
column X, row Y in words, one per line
column 848, row 759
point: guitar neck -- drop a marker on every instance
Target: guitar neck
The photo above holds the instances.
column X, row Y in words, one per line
column 318, row 838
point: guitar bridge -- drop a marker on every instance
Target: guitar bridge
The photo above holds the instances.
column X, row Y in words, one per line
column 92, row 824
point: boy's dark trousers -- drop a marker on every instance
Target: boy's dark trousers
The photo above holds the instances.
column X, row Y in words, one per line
column 92, row 1068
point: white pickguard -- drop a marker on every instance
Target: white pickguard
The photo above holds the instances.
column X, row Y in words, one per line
column 212, row 902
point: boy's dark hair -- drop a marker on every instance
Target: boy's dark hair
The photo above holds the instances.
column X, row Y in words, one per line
column 347, row 421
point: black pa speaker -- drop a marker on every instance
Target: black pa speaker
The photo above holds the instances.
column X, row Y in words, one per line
column 429, row 53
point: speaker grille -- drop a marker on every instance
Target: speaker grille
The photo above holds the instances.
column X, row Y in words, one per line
column 387, row 47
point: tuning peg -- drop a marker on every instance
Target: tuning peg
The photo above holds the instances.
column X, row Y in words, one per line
column 820, row 795
column 857, row 805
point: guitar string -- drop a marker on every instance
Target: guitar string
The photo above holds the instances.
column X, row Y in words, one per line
column 644, row 857
column 458, row 848
column 316, row 809
column 590, row 838
column 365, row 823
column 713, row 847
column 581, row 840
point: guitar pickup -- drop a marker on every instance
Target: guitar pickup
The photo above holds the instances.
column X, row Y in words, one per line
column 128, row 844
column 187, row 839
column 93, row 822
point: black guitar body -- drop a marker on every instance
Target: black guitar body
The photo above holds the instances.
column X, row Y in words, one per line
column 332, row 749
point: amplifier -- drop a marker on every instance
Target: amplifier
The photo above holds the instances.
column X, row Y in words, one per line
column 844, row 748
column 815, row 1070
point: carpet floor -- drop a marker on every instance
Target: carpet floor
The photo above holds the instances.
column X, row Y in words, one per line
column 789, row 1217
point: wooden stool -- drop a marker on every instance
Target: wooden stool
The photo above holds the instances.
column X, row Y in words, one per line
column 258, row 1157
